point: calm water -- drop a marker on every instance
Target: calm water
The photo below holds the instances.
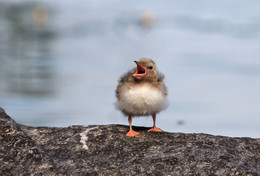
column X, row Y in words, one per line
column 60, row 62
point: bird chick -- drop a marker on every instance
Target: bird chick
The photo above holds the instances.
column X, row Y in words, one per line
column 141, row 92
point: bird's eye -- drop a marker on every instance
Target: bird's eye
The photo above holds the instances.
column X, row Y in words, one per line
column 150, row 67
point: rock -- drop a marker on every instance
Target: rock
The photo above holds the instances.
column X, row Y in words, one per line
column 105, row 150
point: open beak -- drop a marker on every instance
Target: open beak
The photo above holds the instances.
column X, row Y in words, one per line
column 140, row 70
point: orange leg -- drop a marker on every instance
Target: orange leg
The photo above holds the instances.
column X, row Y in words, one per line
column 154, row 128
column 131, row 132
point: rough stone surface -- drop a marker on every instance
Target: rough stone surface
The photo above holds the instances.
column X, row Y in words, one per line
column 105, row 150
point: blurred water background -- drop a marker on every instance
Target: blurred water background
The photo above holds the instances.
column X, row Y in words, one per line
column 60, row 61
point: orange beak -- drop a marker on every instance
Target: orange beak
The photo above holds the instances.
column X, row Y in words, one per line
column 140, row 70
